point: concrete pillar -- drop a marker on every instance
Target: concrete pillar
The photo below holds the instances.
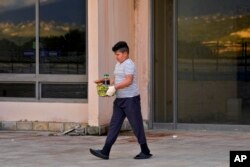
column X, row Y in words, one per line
column 142, row 52
column 93, row 67
column 108, row 22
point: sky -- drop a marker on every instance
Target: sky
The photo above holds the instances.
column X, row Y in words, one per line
column 16, row 4
column 17, row 11
column 207, row 7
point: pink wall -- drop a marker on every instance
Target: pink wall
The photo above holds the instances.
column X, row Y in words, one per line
column 142, row 52
column 31, row 111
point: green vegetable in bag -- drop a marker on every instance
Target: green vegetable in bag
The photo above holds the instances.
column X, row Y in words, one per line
column 102, row 89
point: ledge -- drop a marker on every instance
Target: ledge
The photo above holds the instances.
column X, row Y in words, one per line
column 60, row 127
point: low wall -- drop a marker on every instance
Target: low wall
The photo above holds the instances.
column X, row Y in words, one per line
column 60, row 127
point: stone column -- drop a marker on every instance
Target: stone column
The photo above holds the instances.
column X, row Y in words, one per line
column 93, row 67
column 108, row 22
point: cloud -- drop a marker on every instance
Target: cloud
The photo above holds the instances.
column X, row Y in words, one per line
column 14, row 4
column 10, row 3
column 242, row 34
column 6, row 5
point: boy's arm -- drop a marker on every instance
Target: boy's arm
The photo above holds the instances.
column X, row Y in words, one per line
column 99, row 81
column 126, row 82
column 111, row 80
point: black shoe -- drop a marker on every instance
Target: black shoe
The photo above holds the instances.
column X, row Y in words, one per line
column 98, row 153
column 143, row 156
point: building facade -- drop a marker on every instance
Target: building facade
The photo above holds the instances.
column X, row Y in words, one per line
column 192, row 62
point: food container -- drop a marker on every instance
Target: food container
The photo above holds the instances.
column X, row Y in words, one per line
column 101, row 89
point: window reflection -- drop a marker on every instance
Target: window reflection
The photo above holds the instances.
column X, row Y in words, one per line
column 62, row 37
column 163, row 61
column 213, row 61
column 17, row 90
column 17, row 35
column 74, row 91
column 61, row 40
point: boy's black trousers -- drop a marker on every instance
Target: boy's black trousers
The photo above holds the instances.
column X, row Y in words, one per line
column 130, row 108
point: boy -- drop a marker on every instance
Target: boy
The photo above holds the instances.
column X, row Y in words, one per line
column 127, row 103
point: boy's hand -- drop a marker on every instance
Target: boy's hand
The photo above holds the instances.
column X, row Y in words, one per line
column 98, row 81
column 111, row 91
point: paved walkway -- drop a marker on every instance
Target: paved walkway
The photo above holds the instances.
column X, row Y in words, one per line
column 170, row 149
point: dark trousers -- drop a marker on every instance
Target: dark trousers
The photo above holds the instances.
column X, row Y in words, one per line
column 130, row 108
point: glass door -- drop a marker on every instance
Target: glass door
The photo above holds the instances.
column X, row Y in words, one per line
column 213, row 59
column 163, row 61
column 213, row 41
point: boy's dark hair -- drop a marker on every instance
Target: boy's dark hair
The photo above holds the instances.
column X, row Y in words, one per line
column 122, row 46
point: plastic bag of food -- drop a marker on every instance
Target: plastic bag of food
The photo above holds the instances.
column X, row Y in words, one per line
column 102, row 89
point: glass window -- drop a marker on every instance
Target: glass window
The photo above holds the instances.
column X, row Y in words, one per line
column 17, row 35
column 62, row 37
column 17, row 90
column 60, row 28
column 213, row 61
column 75, row 91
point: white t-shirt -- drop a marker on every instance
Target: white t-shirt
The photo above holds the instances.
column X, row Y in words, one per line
column 121, row 70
